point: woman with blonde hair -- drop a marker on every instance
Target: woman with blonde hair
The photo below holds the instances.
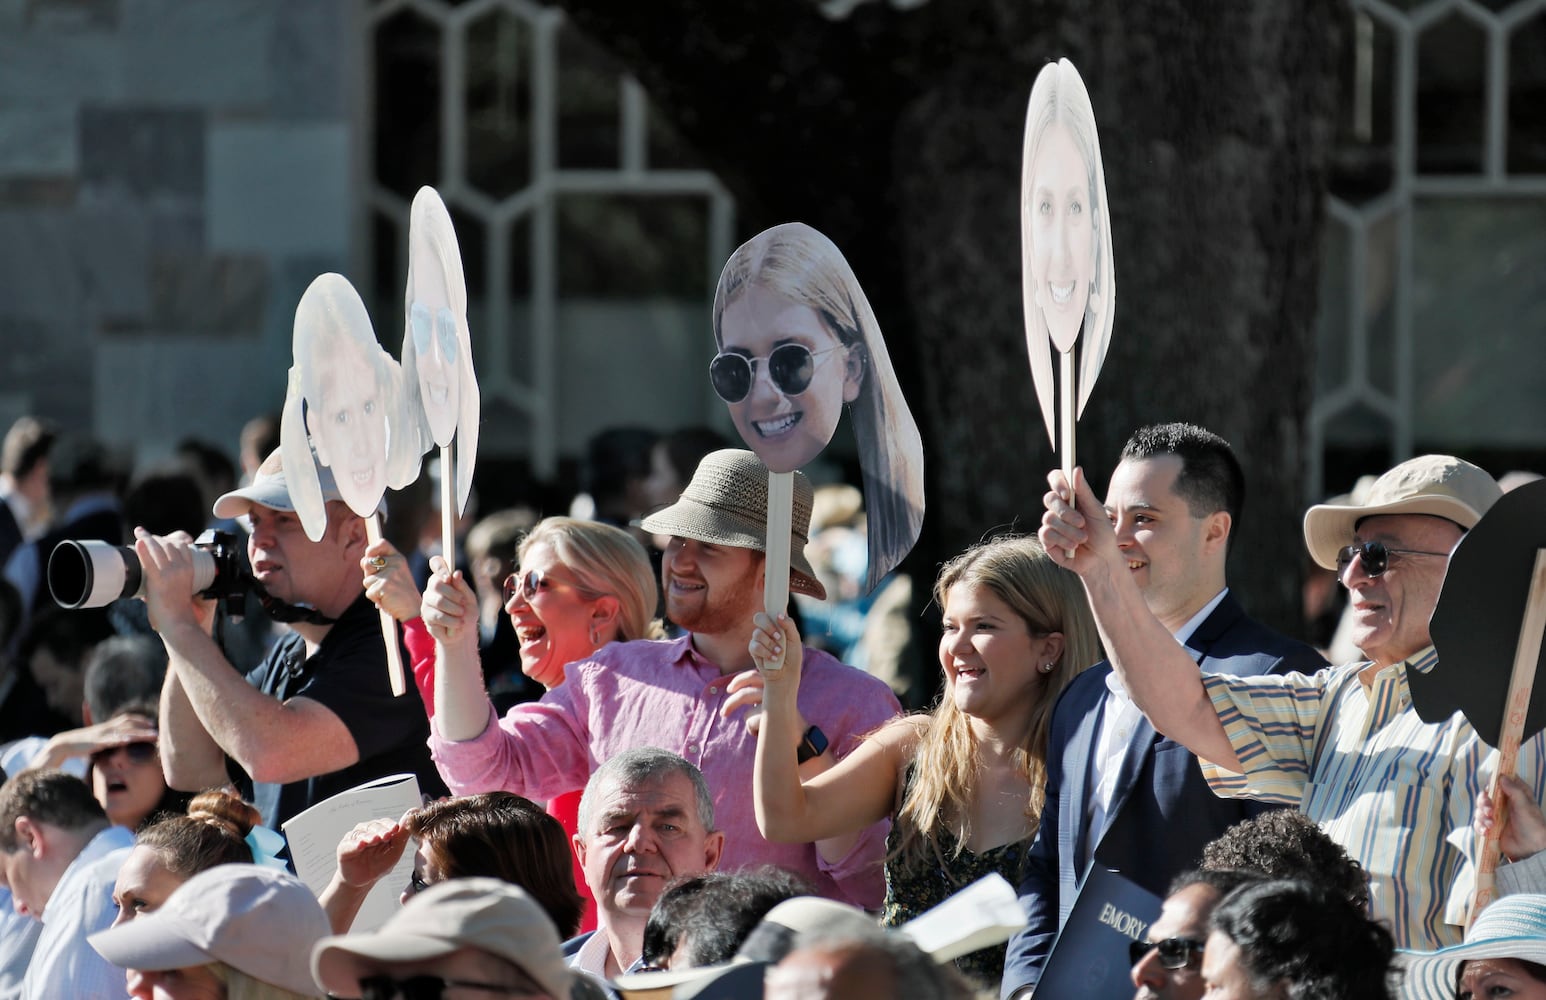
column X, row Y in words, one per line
column 797, row 340
column 578, row 586
column 963, row 784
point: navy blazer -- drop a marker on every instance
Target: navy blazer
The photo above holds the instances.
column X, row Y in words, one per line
column 1162, row 811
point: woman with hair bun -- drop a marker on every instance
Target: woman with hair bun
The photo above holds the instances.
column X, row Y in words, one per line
column 170, row 851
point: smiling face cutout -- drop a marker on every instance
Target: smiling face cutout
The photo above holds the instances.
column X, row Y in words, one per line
column 1062, row 245
column 343, row 409
column 789, row 320
column 439, row 381
column 1068, row 278
column 800, row 373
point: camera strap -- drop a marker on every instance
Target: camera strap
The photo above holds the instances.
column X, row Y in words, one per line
column 289, row 614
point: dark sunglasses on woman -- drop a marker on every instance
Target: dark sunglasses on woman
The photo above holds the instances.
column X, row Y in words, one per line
column 140, row 752
column 790, row 366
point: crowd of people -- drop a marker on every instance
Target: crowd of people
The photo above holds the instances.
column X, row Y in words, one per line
column 689, row 799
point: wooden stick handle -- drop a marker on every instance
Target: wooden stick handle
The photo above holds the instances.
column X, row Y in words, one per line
column 1526, row 654
column 775, row 567
column 388, row 623
column 1066, row 395
column 447, row 509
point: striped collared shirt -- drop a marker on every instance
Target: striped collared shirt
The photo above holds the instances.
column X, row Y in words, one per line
column 1396, row 792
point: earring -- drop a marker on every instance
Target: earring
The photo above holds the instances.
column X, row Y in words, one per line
column 1046, row 668
column 595, row 636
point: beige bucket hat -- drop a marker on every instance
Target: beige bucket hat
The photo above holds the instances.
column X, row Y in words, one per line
column 727, row 504
column 1440, row 485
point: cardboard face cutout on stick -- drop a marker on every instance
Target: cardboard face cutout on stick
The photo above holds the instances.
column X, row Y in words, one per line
column 343, row 408
column 1068, row 274
column 1476, row 625
column 797, row 340
column 438, row 377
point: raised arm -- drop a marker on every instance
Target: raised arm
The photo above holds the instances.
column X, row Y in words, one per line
column 450, row 608
column 1162, row 679
column 830, row 803
column 273, row 741
column 366, row 855
column 84, row 742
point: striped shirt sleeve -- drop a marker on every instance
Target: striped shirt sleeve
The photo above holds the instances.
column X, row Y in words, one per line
column 1271, row 721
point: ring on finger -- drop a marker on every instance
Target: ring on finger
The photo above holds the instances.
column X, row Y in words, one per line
column 378, row 562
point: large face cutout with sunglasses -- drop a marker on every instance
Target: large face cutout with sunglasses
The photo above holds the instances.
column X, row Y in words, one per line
column 785, row 376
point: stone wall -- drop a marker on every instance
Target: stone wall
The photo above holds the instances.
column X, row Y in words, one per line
column 172, row 175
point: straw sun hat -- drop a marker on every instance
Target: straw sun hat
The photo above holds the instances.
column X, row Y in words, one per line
column 1512, row 927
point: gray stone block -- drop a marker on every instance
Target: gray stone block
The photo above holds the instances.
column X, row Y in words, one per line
column 210, row 52
column 141, row 154
column 37, row 141
column 61, row 15
column 150, row 392
column 40, row 67
column 93, row 259
column 218, row 297
column 314, row 57
column 37, row 192
column 279, row 188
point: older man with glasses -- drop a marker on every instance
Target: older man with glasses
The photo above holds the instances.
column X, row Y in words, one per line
column 1344, row 745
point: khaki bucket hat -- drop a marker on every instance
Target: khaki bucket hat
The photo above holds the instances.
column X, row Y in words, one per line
column 727, row 504
column 1439, row 485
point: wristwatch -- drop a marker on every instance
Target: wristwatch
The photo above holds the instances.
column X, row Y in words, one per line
column 812, row 744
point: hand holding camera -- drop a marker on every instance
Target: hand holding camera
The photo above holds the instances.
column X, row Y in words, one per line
column 169, row 580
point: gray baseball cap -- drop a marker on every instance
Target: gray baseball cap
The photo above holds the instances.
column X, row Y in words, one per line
column 260, row 921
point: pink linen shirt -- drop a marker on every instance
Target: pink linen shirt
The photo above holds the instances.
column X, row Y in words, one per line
column 661, row 693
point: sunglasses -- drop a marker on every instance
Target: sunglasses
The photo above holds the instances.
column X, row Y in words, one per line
column 427, row 327
column 530, row 584
column 1375, row 557
column 433, row 988
column 141, row 752
column 1174, row 953
column 790, row 366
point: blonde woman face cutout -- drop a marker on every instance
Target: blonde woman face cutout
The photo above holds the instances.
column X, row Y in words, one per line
column 1062, row 235
column 432, row 326
column 793, row 399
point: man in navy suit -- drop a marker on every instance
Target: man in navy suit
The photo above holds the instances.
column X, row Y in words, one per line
column 1118, row 794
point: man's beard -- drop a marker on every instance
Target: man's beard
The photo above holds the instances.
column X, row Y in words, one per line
column 724, row 611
